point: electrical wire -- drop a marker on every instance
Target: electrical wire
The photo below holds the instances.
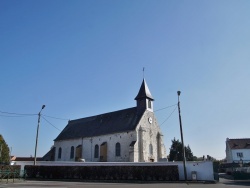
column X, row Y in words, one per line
column 12, row 113
column 169, row 116
column 9, row 116
column 165, row 107
column 56, row 117
column 50, row 123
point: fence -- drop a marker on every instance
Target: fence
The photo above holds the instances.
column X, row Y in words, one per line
column 9, row 172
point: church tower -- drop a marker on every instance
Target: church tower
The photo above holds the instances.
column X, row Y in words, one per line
column 144, row 98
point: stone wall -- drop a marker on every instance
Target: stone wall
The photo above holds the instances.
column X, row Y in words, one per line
column 88, row 147
column 149, row 133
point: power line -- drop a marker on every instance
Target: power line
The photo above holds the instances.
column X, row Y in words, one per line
column 169, row 116
column 50, row 123
column 9, row 116
column 165, row 107
column 12, row 113
column 56, row 117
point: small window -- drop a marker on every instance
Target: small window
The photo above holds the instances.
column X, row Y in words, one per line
column 149, row 104
column 72, row 152
column 118, row 149
column 150, row 149
column 240, row 154
column 96, row 154
column 60, row 153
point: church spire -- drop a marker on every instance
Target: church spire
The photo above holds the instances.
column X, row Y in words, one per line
column 144, row 98
column 144, row 92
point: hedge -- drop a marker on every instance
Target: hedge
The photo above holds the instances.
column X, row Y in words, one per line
column 143, row 173
column 241, row 175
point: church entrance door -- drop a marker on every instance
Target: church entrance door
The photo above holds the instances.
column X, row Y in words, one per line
column 78, row 153
column 104, row 152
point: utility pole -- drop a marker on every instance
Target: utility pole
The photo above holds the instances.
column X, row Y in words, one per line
column 10, row 154
column 183, row 146
column 39, row 116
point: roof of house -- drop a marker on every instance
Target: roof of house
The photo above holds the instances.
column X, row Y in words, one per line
column 144, row 91
column 240, row 143
column 50, row 155
column 103, row 124
column 14, row 158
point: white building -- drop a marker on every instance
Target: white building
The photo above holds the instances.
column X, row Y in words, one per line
column 128, row 135
column 238, row 150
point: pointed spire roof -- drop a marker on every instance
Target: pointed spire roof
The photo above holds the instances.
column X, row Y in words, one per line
column 144, row 91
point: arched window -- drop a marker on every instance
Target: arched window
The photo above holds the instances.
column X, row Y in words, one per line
column 96, row 154
column 117, row 149
column 60, row 153
column 72, row 151
column 150, row 149
column 149, row 104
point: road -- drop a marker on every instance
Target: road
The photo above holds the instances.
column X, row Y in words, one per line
column 224, row 183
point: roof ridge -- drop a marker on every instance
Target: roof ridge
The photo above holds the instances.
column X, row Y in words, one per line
column 102, row 114
column 238, row 138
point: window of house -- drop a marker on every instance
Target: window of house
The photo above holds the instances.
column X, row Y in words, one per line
column 240, row 154
column 96, row 154
column 60, row 153
column 118, row 149
column 72, row 152
column 149, row 104
column 150, row 149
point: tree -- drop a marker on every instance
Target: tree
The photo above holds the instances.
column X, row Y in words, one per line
column 4, row 151
column 176, row 152
column 195, row 158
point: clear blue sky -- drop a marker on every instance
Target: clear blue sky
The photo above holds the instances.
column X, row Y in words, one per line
column 83, row 58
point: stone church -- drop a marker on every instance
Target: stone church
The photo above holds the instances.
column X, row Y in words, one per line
column 128, row 135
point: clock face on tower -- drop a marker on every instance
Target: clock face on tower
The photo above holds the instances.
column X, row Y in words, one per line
column 150, row 120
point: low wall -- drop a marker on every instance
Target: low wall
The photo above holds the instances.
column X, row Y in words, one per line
column 203, row 169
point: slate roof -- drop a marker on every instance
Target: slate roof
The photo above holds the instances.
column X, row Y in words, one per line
column 243, row 143
column 103, row 124
column 144, row 91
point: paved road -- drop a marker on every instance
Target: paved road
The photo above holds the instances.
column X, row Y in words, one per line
column 55, row 184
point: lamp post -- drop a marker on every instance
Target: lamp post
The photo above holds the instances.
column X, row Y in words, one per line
column 182, row 141
column 39, row 115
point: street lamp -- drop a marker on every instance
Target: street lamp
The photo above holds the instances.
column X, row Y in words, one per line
column 182, row 141
column 39, row 115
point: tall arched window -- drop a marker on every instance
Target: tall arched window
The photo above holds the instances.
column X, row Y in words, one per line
column 150, row 149
column 149, row 104
column 72, row 151
column 60, row 153
column 117, row 149
column 96, row 154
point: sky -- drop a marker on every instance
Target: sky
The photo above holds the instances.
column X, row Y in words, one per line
column 84, row 58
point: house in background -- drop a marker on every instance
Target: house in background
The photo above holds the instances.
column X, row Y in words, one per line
column 238, row 150
column 127, row 135
column 14, row 159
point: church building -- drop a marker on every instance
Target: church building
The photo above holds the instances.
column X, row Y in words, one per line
column 127, row 135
